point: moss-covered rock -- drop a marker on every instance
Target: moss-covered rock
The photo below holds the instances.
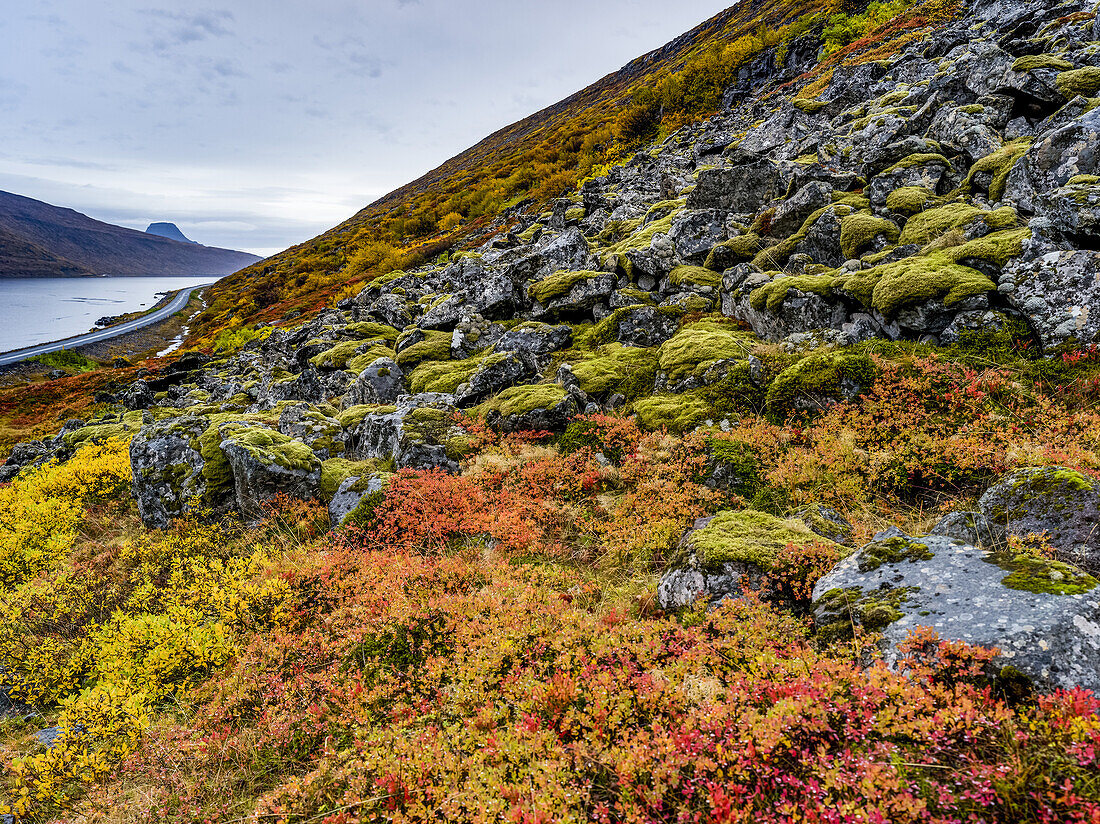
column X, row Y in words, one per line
column 544, row 407
column 436, row 346
column 771, row 295
column 343, row 354
column 818, row 381
column 1034, row 62
column 893, row 286
column 694, row 276
column 614, row 368
column 686, row 356
column 265, row 463
column 1030, row 573
column 748, row 537
column 996, row 167
column 97, row 433
column 733, row 251
column 676, row 413
column 859, row 230
column 335, row 471
column 443, row 376
column 841, row 612
column 929, row 225
column 1084, row 82
column 909, row 200
column 560, row 284
column 1061, row 503
column 367, row 330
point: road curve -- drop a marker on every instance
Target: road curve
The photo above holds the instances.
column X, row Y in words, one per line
column 157, row 315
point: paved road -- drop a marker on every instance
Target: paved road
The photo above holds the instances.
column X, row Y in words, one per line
column 177, row 303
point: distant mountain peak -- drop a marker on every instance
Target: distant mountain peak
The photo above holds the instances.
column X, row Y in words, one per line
column 168, row 230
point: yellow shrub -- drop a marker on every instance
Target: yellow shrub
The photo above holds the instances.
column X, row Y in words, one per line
column 41, row 511
column 99, row 727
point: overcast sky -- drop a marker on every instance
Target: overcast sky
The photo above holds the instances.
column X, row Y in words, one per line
column 257, row 124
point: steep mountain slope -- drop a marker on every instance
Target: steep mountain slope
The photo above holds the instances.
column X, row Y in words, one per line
column 25, row 259
column 40, row 240
column 524, row 165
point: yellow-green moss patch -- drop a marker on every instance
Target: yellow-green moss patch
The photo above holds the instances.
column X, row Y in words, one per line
column 749, row 537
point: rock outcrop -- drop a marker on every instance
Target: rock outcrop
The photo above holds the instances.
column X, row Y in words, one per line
column 1043, row 616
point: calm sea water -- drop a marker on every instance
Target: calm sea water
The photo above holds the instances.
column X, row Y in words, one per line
column 40, row 310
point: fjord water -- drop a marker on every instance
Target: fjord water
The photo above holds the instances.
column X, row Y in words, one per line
column 40, row 310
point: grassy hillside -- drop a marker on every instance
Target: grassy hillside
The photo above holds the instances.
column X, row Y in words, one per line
column 522, row 167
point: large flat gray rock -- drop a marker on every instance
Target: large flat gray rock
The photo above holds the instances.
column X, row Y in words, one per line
column 957, row 590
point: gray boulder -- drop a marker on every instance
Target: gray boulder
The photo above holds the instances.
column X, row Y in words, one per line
column 321, row 433
column 969, row 527
column 418, row 433
column 1058, row 293
column 1074, row 210
column 744, row 188
column 23, row 455
column 498, row 371
column 167, row 467
column 694, row 234
column 793, row 212
column 535, row 339
column 1054, row 500
column 265, row 463
column 964, row 132
column 350, row 494
column 1057, row 156
column 445, row 314
column 642, row 325
column 473, row 334
column 1043, row 616
column 138, row 396
column 381, row 382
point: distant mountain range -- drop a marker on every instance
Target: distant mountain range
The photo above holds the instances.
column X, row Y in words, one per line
column 40, row 240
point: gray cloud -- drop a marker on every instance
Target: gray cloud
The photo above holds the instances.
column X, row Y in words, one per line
column 180, row 28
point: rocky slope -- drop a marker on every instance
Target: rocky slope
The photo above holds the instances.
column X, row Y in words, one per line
column 946, row 195
column 40, row 240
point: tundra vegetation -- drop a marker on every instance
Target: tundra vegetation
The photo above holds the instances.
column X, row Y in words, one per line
column 393, row 540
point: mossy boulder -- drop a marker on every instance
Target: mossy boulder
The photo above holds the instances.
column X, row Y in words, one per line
column 685, row 358
column 265, row 463
column 564, row 293
column 615, row 368
column 819, row 381
column 1042, row 616
column 637, row 325
column 891, row 287
column 419, row 432
column 544, row 407
column 676, row 413
column 308, row 424
column 431, row 346
column 934, row 223
column 1061, row 503
column 860, row 230
column 351, row 489
column 723, row 556
column 167, row 464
